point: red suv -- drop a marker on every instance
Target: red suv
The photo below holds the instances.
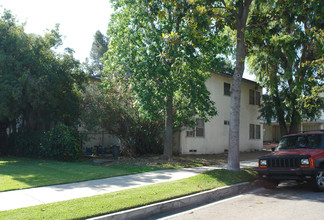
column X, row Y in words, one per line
column 297, row 157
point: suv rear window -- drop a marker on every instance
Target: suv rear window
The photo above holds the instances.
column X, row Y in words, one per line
column 314, row 141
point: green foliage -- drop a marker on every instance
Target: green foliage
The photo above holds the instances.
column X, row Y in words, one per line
column 115, row 111
column 14, row 47
column 167, row 57
column 98, row 49
column 61, row 143
column 287, row 58
column 36, row 84
column 161, row 54
column 25, row 144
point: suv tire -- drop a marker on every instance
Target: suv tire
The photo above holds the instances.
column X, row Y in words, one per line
column 318, row 181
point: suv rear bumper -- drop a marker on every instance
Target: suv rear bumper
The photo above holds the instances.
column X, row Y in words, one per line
column 287, row 174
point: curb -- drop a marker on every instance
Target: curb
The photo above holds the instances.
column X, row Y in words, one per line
column 145, row 212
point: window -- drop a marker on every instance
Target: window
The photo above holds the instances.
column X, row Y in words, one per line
column 200, row 127
column 226, row 122
column 257, row 98
column 252, row 132
column 191, row 133
column 227, row 89
column 198, row 130
column 255, row 131
column 254, row 97
column 251, row 97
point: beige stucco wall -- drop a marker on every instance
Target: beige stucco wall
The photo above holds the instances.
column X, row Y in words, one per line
column 216, row 136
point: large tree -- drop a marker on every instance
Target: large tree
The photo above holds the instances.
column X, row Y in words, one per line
column 241, row 17
column 37, row 86
column 284, row 57
column 235, row 15
column 156, row 49
column 98, row 49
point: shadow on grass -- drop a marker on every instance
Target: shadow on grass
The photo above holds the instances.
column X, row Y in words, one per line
column 229, row 177
column 17, row 173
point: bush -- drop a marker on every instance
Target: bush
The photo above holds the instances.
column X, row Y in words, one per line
column 25, row 144
column 61, row 143
column 116, row 112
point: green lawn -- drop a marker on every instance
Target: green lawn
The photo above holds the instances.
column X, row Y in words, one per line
column 20, row 173
column 126, row 199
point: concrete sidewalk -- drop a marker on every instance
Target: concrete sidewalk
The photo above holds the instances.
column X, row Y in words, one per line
column 48, row 194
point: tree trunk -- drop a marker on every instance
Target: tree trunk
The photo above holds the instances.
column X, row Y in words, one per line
column 295, row 122
column 167, row 154
column 280, row 113
column 234, row 133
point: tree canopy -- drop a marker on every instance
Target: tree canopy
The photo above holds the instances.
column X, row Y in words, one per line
column 287, row 57
column 240, row 17
column 37, row 85
column 158, row 51
column 98, row 49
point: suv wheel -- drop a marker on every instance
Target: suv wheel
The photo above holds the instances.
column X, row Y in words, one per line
column 318, row 181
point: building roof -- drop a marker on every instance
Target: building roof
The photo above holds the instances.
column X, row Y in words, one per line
column 229, row 75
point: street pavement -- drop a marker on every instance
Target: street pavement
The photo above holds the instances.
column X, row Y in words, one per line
column 48, row 194
column 288, row 201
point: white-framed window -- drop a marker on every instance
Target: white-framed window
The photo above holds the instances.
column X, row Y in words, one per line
column 200, row 127
column 198, row 130
column 255, row 131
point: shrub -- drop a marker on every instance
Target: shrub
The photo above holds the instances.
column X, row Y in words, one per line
column 24, row 144
column 115, row 111
column 61, row 143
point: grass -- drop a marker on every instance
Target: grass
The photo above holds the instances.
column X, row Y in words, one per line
column 126, row 199
column 20, row 173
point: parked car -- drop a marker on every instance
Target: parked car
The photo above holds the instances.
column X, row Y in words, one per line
column 297, row 157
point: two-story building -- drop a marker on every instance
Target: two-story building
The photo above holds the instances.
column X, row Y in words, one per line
column 213, row 136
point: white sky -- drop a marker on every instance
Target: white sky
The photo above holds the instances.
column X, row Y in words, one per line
column 78, row 19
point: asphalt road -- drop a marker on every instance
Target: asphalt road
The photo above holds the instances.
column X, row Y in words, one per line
column 288, row 201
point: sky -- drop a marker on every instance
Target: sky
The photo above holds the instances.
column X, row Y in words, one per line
column 78, row 19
